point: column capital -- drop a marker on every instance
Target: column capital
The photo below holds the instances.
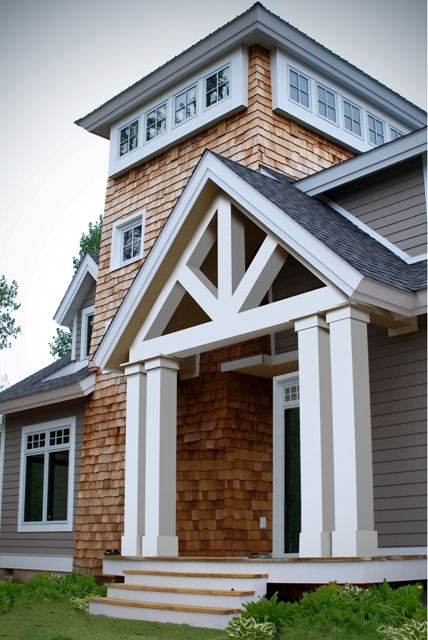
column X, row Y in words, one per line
column 348, row 312
column 162, row 362
column 131, row 368
column 310, row 322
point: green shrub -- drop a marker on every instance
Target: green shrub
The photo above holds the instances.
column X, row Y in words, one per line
column 270, row 610
column 248, row 628
column 412, row 630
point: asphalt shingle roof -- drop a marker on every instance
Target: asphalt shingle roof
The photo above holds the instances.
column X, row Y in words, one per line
column 339, row 234
column 37, row 382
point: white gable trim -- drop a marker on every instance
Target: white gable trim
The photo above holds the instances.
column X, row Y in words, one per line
column 82, row 281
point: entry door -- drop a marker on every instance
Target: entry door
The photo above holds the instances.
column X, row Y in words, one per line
column 286, row 483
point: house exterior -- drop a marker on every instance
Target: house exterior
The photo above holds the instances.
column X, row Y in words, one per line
column 257, row 358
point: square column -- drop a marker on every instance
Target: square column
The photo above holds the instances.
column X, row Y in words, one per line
column 316, row 438
column 354, row 533
column 161, row 453
column 135, row 447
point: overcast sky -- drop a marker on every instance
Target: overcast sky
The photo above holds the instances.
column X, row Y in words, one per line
column 60, row 59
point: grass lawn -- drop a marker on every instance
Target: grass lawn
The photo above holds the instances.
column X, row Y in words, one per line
column 44, row 620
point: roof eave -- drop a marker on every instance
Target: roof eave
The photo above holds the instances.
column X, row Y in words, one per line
column 76, row 291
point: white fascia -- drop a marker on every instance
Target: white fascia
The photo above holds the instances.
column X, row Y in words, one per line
column 382, row 157
column 302, row 244
column 76, row 292
column 74, row 391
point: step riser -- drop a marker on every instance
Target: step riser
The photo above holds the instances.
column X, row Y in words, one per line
column 203, row 600
column 210, row 621
column 238, row 584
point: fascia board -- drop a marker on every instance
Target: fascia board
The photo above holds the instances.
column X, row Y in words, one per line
column 383, row 157
column 76, row 292
column 74, row 391
column 376, row 294
column 260, row 26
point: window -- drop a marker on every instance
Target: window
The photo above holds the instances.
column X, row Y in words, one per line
column 352, row 117
column 185, row 105
column 326, row 103
column 156, row 122
column 394, row 133
column 299, row 88
column 128, row 138
column 47, row 469
column 87, row 324
column 376, row 134
column 127, row 240
column 217, row 87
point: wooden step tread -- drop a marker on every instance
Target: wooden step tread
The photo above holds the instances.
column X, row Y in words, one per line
column 167, row 607
column 192, row 574
column 188, row 590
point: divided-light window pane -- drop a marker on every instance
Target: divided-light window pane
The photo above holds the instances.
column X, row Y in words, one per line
column 185, row 105
column 299, row 88
column 156, row 122
column 352, row 117
column 376, row 135
column 217, row 87
column 128, row 138
column 131, row 247
column 326, row 104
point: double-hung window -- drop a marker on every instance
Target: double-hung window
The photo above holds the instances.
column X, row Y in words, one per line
column 217, row 86
column 47, row 470
column 128, row 138
column 185, row 105
column 156, row 122
column 299, row 88
column 352, row 117
column 326, row 103
column 376, row 130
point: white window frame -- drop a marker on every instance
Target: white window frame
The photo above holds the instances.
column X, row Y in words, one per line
column 157, row 135
column 361, row 123
column 195, row 86
column 333, row 93
column 227, row 66
column 398, row 133
column 279, row 404
column 45, row 526
column 88, row 311
column 376, row 134
column 116, row 260
column 129, row 124
column 308, row 79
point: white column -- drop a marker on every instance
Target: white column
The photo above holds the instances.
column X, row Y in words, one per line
column 161, row 452
column 354, row 533
column 135, row 444
column 316, row 438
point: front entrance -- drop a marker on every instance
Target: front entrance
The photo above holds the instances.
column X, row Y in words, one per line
column 286, row 482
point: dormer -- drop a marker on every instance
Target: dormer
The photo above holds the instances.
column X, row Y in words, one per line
column 76, row 311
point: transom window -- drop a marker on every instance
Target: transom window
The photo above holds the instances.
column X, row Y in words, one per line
column 156, row 122
column 131, row 242
column 47, row 466
column 299, row 88
column 291, row 393
column 128, row 138
column 217, row 87
column 376, row 131
column 326, row 103
column 352, row 117
column 185, row 105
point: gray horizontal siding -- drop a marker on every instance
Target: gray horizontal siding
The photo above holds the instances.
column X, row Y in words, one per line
column 31, row 543
column 391, row 203
column 399, row 435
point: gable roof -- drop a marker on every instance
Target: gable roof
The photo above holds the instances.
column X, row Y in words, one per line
column 328, row 243
column 85, row 276
column 256, row 26
column 58, row 382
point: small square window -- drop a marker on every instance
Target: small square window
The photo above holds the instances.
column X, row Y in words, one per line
column 156, row 122
column 185, row 105
column 352, row 117
column 217, row 87
column 291, row 393
column 299, row 88
column 376, row 131
column 395, row 133
column 127, row 240
column 131, row 243
column 128, row 138
column 326, row 103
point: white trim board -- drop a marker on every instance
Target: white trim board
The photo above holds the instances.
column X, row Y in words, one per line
column 36, row 562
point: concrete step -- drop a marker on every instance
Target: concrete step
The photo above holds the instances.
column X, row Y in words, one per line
column 181, row 595
column 195, row 616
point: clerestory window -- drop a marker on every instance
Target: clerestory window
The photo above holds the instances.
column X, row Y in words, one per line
column 156, row 122
column 326, row 103
column 185, row 105
column 217, row 86
column 299, row 88
column 376, row 130
column 352, row 117
column 128, row 138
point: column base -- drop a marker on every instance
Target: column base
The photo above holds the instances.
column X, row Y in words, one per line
column 315, row 545
column 131, row 546
column 355, row 544
column 159, row 546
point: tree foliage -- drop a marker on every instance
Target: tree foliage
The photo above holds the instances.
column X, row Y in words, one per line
column 8, row 326
column 89, row 242
column 61, row 343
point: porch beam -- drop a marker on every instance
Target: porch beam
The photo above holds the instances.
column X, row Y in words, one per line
column 316, row 437
column 354, row 533
column 160, row 538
